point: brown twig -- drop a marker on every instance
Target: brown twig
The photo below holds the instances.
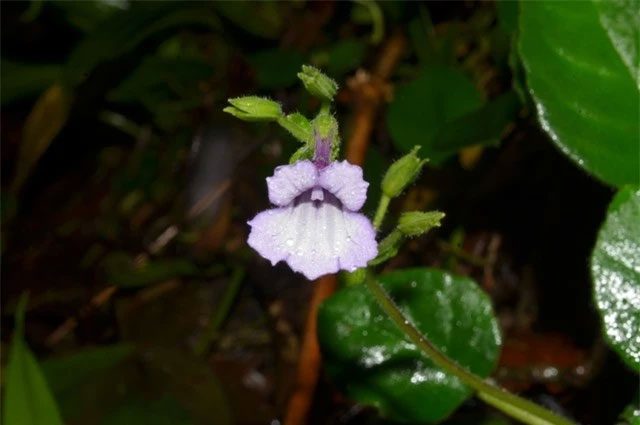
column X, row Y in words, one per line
column 71, row 323
column 369, row 92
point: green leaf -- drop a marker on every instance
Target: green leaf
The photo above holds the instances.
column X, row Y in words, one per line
column 164, row 411
column 157, row 80
column 631, row 413
column 46, row 119
column 344, row 57
column 69, row 372
column 483, row 126
column 276, row 69
column 264, row 19
column 507, row 11
column 22, row 80
column 423, row 107
column 86, row 15
column 123, row 31
column 621, row 20
column 121, row 270
column 368, row 356
column 615, row 267
column 27, row 399
column 586, row 99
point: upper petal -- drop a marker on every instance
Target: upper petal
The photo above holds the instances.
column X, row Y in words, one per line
column 314, row 238
column 289, row 181
column 345, row 181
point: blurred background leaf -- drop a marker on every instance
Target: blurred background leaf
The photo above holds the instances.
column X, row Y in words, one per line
column 424, row 106
column 277, row 68
column 43, row 124
column 24, row 80
column 27, row 398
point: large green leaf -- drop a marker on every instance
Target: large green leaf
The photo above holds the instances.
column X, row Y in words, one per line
column 621, row 20
column 27, row 399
column 615, row 266
column 368, row 356
column 586, row 98
column 423, row 107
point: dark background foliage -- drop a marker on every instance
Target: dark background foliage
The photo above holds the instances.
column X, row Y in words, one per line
column 125, row 193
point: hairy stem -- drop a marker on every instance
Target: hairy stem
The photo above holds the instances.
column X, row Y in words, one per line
column 381, row 211
column 510, row 404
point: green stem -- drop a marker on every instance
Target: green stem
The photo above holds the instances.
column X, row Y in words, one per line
column 222, row 311
column 512, row 405
column 381, row 211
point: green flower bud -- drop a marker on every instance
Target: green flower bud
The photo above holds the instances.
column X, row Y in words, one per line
column 254, row 108
column 355, row 277
column 416, row 223
column 317, row 83
column 402, row 173
column 325, row 127
column 388, row 247
column 298, row 125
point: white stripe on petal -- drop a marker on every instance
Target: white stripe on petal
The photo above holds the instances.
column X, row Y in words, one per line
column 314, row 238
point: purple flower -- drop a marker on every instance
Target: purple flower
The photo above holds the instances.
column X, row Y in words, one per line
column 315, row 227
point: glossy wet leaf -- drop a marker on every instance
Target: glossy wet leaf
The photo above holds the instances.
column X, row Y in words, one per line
column 368, row 357
column 621, row 20
column 615, row 267
column 631, row 413
column 44, row 122
column 27, row 398
column 423, row 107
column 587, row 100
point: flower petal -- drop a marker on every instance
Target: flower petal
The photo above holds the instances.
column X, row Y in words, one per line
column 314, row 238
column 289, row 181
column 345, row 181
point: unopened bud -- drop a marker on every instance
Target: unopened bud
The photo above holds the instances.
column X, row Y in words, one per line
column 402, row 173
column 416, row 223
column 388, row 247
column 298, row 125
column 355, row 277
column 325, row 128
column 254, row 108
column 317, row 83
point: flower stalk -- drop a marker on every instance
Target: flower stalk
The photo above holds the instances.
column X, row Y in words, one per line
column 510, row 404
